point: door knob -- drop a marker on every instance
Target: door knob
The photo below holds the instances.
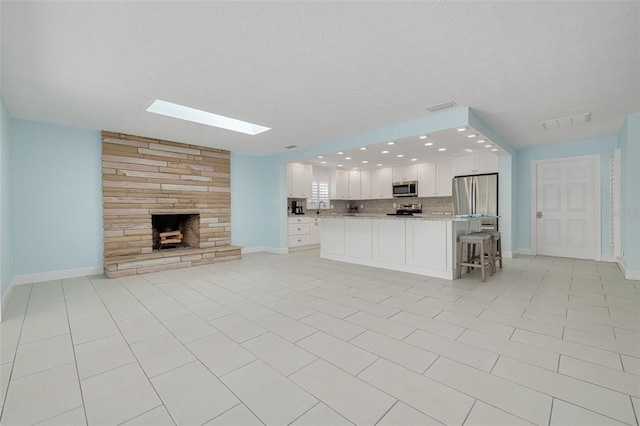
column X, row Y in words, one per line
column 539, row 215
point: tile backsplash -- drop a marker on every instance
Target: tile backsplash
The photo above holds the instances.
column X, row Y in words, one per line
column 430, row 205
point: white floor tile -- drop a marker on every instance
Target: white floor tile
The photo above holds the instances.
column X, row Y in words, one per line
column 333, row 326
column 286, row 327
column 92, row 328
column 402, row 414
column 378, row 309
column 208, row 310
column 631, row 364
column 487, row 327
column 425, row 311
column 441, row 402
column 354, row 399
column 602, row 376
column 457, row 351
column 427, row 324
column 44, row 328
column 484, row 415
column 290, row 309
column 511, row 349
column 564, row 414
column 141, row 328
column 321, row 415
column 74, row 417
column 339, row 353
column 118, row 395
column 384, row 326
column 268, row 394
column 522, row 323
column 239, row 415
column 237, row 327
column 583, row 394
column 42, row 355
column 192, row 394
column 189, row 328
column 330, row 308
column 220, row 354
column 101, row 355
column 249, row 309
column 603, row 330
column 401, row 353
column 161, row 354
column 607, row 343
column 167, row 310
column 510, row 397
column 280, row 354
column 42, row 396
column 156, row 417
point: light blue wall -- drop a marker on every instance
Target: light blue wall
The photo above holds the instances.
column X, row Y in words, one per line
column 629, row 144
column 522, row 193
column 6, row 229
column 57, row 197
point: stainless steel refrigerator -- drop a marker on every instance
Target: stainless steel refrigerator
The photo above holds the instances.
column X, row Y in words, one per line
column 477, row 195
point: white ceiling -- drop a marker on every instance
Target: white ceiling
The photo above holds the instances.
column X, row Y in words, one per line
column 317, row 71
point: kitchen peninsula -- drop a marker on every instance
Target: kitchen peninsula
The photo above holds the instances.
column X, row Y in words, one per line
column 419, row 244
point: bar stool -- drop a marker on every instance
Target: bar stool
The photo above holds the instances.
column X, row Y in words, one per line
column 496, row 241
column 483, row 241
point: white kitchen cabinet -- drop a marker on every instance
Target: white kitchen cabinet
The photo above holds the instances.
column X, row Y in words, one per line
column 314, row 231
column 354, row 185
column 389, row 241
column 381, row 183
column 434, row 179
column 420, row 249
column 358, row 238
column 299, row 178
column 342, row 185
column 405, row 173
column 365, row 185
column 477, row 163
column 333, row 237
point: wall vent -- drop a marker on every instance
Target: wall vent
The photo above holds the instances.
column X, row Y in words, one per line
column 440, row 107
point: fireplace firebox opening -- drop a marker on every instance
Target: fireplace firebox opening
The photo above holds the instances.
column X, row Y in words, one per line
column 175, row 231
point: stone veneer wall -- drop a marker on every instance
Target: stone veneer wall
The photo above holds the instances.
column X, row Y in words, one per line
column 143, row 176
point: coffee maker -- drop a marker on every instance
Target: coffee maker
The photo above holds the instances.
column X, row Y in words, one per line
column 297, row 207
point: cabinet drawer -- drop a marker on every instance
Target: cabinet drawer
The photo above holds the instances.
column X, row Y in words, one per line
column 292, row 220
column 298, row 240
column 300, row 229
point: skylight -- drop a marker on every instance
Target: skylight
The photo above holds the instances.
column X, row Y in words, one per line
column 203, row 117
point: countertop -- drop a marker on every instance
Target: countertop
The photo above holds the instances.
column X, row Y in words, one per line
column 417, row 216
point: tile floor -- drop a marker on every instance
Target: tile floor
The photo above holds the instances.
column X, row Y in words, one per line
column 294, row 339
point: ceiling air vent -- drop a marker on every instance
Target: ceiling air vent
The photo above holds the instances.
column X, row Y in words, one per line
column 566, row 121
column 290, row 146
column 440, row 107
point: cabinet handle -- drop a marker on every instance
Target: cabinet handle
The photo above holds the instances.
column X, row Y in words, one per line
column 299, row 229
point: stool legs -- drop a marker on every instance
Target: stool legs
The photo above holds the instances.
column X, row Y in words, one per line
column 459, row 266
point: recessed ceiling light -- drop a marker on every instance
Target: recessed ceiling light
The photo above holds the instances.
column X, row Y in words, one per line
column 399, row 155
column 323, row 162
column 461, row 129
column 364, row 161
column 442, row 149
column 363, row 148
column 385, row 152
column 488, row 146
column 355, row 168
column 414, row 159
column 472, row 135
column 320, row 156
column 340, row 165
column 495, row 149
column 423, row 137
column 468, row 150
column 340, row 152
column 428, row 144
column 378, row 164
column 347, row 158
column 481, row 141
column 391, row 143
column 182, row 112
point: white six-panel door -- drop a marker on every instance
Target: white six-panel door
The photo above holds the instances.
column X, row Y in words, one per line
column 566, row 208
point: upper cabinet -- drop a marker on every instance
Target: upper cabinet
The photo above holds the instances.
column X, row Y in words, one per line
column 299, row 179
column 381, row 180
column 405, row 173
column 365, row 185
column 342, row 185
column 434, row 179
column 474, row 164
column 355, row 192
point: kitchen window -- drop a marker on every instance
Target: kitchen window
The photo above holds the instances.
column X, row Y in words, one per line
column 319, row 192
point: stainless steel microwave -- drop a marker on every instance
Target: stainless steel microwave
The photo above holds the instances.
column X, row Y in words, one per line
column 405, row 189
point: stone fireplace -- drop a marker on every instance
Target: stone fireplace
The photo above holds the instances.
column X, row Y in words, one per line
column 151, row 187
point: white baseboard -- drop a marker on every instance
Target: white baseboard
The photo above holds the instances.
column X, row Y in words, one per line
column 608, row 258
column 523, row 251
column 258, row 249
column 507, row 254
column 628, row 274
column 5, row 300
column 56, row 275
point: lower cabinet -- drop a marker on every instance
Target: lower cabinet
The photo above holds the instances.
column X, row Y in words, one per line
column 389, row 241
column 333, row 237
column 422, row 249
column 303, row 231
column 358, row 238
